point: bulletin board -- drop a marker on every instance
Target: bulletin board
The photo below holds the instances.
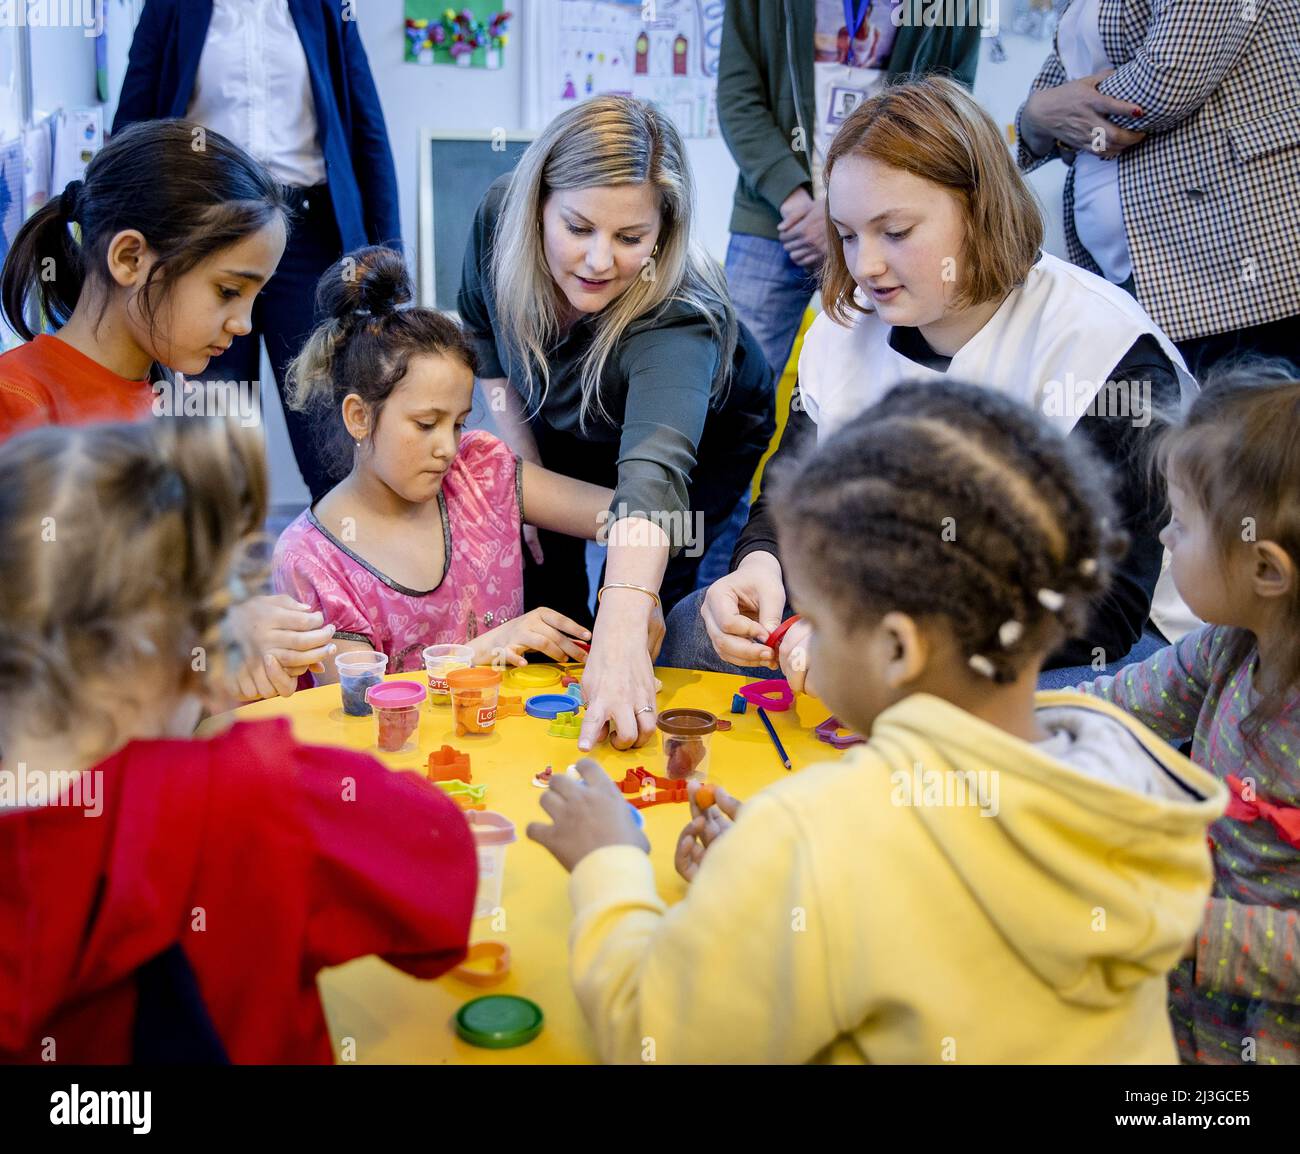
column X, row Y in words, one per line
column 665, row 51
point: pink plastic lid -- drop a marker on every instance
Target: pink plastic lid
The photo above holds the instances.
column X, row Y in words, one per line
column 490, row 828
column 396, row 694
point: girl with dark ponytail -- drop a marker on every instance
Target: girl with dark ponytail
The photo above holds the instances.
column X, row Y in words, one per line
column 419, row 544
column 151, row 263
column 155, row 258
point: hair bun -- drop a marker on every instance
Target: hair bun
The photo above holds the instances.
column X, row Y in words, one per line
column 370, row 281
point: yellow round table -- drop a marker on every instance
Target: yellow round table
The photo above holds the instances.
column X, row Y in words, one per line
column 377, row 1013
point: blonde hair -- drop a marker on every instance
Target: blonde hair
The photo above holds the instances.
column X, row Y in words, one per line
column 124, row 546
column 605, row 141
column 934, row 129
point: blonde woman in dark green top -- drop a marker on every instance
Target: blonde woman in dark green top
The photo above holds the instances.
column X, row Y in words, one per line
column 609, row 351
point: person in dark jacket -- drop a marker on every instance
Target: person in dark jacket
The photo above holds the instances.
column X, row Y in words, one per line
column 287, row 81
column 788, row 75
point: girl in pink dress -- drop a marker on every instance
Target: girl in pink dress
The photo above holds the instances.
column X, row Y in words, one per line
column 419, row 545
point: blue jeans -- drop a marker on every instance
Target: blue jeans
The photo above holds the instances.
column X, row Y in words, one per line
column 687, row 645
column 770, row 293
column 1150, row 642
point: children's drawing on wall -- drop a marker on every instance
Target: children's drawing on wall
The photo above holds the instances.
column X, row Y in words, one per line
column 671, row 59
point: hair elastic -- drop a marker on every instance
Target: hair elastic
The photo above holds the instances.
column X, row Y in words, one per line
column 1009, row 632
column 1051, row 600
column 70, row 201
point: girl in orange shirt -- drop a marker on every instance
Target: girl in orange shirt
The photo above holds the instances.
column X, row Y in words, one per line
column 154, row 260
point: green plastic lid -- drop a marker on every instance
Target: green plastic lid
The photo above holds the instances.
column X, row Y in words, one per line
column 499, row 1021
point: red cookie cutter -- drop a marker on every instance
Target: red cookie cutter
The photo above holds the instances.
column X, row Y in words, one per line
column 777, row 635
column 666, row 791
column 774, row 695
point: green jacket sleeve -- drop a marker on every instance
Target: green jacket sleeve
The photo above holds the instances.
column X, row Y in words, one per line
column 965, row 54
column 761, row 150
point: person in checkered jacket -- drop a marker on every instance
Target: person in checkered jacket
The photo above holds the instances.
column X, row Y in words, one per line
column 1181, row 126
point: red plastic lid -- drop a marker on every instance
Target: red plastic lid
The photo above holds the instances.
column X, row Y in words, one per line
column 490, row 828
column 396, row 694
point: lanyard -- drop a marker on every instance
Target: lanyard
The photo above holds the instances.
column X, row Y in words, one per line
column 853, row 18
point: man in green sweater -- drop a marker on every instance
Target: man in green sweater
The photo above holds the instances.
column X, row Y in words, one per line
column 789, row 74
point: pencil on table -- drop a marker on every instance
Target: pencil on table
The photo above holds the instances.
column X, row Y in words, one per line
column 780, row 749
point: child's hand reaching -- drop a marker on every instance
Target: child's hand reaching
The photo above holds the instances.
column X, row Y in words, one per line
column 704, row 828
column 542, row 630
column 264, row 677
column 587, row 816
column 281, row 639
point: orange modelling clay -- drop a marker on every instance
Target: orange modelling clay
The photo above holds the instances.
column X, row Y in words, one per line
column 704, row 797
column 449, row 764
column 468, row 715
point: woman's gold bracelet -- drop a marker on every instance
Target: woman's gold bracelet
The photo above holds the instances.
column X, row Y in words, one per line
column 627, row 585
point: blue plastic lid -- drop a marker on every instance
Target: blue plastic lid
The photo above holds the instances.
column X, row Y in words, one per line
column 549, row 706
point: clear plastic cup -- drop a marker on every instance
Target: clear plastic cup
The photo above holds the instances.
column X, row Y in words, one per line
column 492, row 833
column 439, row 660
column 397, row 707
column 357, row 673
column 685, row 735
column 474, row 694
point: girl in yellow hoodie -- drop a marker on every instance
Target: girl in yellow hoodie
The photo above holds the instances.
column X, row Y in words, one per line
column 994, row 876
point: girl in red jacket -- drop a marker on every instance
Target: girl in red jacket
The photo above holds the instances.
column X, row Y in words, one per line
column 162, row 898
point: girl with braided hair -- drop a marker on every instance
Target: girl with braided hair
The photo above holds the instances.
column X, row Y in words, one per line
column 995, row 875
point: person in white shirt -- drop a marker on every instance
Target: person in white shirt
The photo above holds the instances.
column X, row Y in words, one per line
column 287, row 81
column 935, row 272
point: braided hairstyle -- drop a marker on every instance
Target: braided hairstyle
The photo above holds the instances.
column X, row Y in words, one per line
column 949, row 500
column 366, row 342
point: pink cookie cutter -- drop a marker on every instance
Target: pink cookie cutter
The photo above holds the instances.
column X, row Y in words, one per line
column 775, row 695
